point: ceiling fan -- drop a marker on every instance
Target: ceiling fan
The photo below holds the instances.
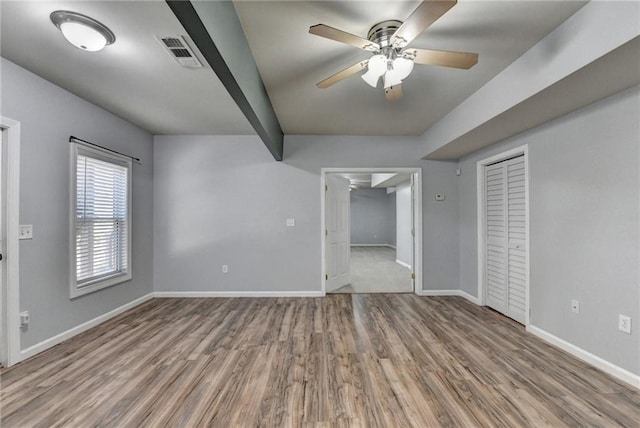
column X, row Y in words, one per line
column 392, row 60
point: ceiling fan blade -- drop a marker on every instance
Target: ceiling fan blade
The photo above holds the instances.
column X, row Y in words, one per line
column 464, row 60
column 343, row 37
column 393, row 93
column 341, row 75
column 426, row 14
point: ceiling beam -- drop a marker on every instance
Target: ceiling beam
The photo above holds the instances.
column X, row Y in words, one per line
column 215, row 29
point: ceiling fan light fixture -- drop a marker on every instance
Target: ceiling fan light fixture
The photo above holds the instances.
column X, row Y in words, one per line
column 389, row 41
column 403, row 67
column 371, row 78
column 377, row 64
column 400, row 70
column 82, row 31
column 391, row 79
column 376, row 67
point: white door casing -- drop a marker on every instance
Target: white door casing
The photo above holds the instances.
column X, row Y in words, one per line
column 338, row 232
column 417, row 216
column 413, row 230
column 10, row 297
column 3, row 279
column 503, row 234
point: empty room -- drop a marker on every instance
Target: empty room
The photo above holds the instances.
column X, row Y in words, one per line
column 319, row 213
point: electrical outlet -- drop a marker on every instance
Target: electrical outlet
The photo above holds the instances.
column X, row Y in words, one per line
column 291, row 222
column 25, row 231
column 624, row 323
column 225, row 268
column 575, row 306
column 25, row 319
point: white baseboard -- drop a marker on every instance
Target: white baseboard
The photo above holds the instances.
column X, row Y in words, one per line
column 373, row 245
column 185, row 294
column 602, row 364
column 458, row 293
column 59, row 338
column 440, row 292
column 401, row 263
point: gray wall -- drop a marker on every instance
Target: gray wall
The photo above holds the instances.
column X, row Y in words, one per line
column 372, row 222
column 223, row 200
column 404, row 244
column 584, row 221
column 48, row 116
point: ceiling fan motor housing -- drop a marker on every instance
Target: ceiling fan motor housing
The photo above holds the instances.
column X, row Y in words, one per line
column 381, row 33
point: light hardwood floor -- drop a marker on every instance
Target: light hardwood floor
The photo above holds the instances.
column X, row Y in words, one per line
column 370, row 360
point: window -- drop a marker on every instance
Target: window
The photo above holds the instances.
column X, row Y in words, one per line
column 101, row 219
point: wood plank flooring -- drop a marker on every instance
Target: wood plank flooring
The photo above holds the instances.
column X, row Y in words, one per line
column 365, row 360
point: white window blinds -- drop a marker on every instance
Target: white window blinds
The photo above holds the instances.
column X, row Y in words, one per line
column 101, row 221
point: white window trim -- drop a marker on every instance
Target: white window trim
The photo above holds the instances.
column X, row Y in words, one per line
column 99, row 284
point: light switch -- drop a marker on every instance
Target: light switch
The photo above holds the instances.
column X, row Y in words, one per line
column 440, row 197
column 26, row 231
column 291, row 222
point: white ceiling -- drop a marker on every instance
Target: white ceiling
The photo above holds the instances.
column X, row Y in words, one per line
column 362, row 180
column 137, row 80
column 291, row 61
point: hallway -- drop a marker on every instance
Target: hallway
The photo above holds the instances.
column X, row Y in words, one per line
column 374, row 270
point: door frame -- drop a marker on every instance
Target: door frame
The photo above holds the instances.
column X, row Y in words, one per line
column 482, row 232
column 417, row 218
column 11, row 295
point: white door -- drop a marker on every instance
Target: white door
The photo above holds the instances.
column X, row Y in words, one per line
column 505, row 262
column 3, row 283
column 338, row 235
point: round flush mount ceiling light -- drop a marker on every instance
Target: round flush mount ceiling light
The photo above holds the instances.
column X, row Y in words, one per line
column 81, row 31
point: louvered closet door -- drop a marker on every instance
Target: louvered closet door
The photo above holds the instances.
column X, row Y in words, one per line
column 516, row 239
column 496, row 251
column 506, row 237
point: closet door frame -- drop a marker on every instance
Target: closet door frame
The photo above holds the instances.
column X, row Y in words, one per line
column 482, row 223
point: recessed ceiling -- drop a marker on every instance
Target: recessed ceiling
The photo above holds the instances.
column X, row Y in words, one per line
column 135, row 78
column 291, row 61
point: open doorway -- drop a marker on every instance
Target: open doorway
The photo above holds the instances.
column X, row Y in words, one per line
column 374, row 213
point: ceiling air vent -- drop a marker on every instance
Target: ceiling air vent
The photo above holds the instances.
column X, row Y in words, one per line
column 180, row 51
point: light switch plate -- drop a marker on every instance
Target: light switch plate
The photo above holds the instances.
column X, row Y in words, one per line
column 25, row 318
column 440, row 197
column 26, row 231
column 291, row 222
